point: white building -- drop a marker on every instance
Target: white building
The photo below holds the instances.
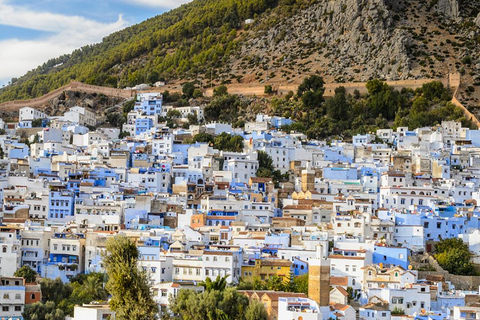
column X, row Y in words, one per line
column 12, row 297
column 30, row 114
column 80, row 115
column 10, row 253
column 35, row 247
column 93, row 312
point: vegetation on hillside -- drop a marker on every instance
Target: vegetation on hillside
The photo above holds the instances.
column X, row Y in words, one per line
column 345, row 115
column 196, row 38
column 454, row 256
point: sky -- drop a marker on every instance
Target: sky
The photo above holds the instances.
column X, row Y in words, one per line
column 33, row 31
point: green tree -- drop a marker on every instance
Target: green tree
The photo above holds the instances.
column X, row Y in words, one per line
column 227, row 142
column 255, row 311
column 338, row 107
column 37, row 123
column 268, row 89
column 197, row 93
column 192, row 118
column 203, row 137
column 129, row 287
column 301, row 283
column 454, row 256
column 219, row 284
column 264, row 160
column 220, row 91
column 435, row 91
column 54, row 290
column 39, row 311
column 188, row 89
column 128, row 106
column 172, row 113
column 210, row 304
column 27, row 273
column 312, row 83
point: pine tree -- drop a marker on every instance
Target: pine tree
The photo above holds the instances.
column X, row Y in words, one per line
column 129, row 287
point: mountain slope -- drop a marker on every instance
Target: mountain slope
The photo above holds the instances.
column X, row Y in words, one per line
column 344, row 40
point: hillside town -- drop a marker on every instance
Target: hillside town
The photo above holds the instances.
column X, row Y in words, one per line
column 360, row 217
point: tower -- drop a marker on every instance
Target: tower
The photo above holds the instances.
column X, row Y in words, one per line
column 319, row 279
column 308, row 180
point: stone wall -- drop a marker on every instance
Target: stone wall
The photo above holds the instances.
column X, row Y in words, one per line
column 460, row 282
column 73, row 86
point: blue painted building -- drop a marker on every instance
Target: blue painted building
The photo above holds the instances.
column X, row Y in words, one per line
column 299, row 267
column 149, row 103
column 391, row 256
column 143, row 125
column 61, row 205
column 278, row 122
column 220, row 217
column 341, row 173
column 18, row 151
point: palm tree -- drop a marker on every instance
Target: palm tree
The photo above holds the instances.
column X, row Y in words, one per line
column 93, row 287
column 219, row 284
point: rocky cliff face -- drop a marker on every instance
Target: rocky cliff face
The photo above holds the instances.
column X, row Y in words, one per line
column 448, row 8
column 356, row 37
column 477, row 20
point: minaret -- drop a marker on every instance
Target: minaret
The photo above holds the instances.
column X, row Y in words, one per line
column 319, row 279
column 308, row 179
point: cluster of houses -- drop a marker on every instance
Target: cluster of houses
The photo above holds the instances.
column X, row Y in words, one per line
column 351, row 215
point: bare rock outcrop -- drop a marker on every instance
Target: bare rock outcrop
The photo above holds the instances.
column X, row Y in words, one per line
column 477, row 20
column 448, row 8
column 355, row 36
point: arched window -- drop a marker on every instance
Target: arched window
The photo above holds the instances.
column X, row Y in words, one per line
column 4, row 249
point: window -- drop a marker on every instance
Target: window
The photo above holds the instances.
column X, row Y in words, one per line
column 18, row 308
column 5, row 308
column 18, row 296
column 6, row 296
column 33, row 296
column 397, row 300
column 164, row 293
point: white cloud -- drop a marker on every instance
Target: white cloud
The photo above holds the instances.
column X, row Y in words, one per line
column 68, row 33
column 170, row 4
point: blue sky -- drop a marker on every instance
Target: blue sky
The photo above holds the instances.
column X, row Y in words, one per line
column 33, row 31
